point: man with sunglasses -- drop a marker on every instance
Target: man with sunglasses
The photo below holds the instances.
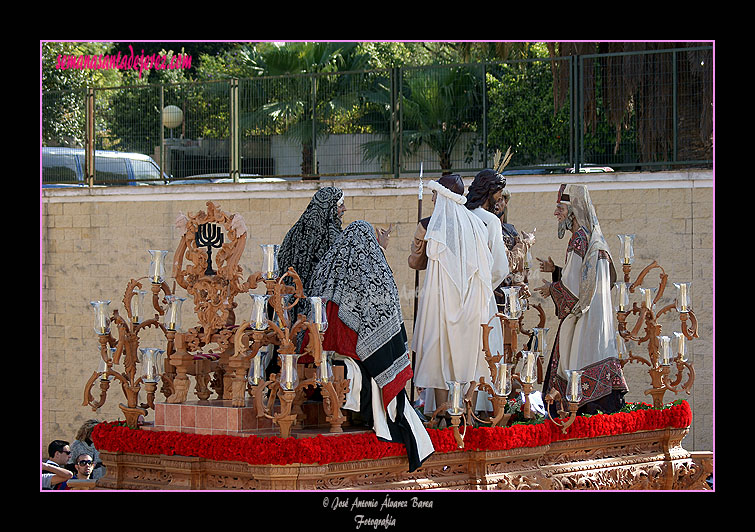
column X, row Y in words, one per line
column 54, row 472
column 84, row 466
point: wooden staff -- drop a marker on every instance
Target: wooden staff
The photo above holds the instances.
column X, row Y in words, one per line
column 416, row 282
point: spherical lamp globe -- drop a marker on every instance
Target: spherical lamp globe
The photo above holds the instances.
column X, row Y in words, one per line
column 172, row 116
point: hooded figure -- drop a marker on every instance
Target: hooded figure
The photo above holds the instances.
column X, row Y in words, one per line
column 455, row 298
column 365, row 324
column 313, row 234
column 581, row 292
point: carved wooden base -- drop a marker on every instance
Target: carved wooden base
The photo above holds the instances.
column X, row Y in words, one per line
column 648, row 460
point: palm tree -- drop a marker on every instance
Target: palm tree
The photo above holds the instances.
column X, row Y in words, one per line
column 302, row 86
column 437, row 105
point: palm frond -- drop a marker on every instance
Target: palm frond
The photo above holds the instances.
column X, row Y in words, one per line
column 501, row 162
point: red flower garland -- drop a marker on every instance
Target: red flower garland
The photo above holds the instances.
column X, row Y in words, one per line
column 255, row 450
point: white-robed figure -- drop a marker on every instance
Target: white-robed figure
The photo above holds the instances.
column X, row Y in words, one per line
column 454, row 300
column 485, row 193
column 581, row 292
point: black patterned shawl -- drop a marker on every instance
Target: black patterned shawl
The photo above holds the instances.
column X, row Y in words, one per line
column 354, row 275
column 312, row 235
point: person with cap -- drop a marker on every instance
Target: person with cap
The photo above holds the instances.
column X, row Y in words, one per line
column 455, row 297
column 581, row 292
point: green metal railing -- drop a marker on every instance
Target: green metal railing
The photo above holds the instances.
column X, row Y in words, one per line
column 556, row 113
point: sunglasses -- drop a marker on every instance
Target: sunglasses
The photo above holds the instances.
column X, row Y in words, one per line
column 84, row 462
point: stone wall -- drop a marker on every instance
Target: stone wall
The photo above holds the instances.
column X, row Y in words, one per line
column 93, row 242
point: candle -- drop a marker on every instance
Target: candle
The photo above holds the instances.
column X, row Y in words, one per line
column 289, row 374
column 683, row 299
column 623, row 303
column 256, row 371
column 627, row 254
column 325, row 370
column 173, row 316
column 258, row 318
column 456, row 398
column 503, row 379
column 538, row 339
column 151, row 358
column 157, row 265
column 529, row 369
column 269, row 260
column 665, row 351
column 101, row 321
column 289, row 371
column 316, row 314
column 681, row 346
column 137, row 305
column 647, row 296
column 574, row 394
column 621, row 347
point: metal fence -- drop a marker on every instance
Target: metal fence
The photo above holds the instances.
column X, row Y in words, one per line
column 627, row 111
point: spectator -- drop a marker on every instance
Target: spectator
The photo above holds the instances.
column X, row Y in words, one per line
column 84, row 465
column 54, row 473
column 54, row 477
column 83, row 445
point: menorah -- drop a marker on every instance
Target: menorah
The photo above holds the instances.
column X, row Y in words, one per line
column 659, row 358
column 209, row 236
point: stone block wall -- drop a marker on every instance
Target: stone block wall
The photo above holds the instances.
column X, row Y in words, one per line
column 93, row 242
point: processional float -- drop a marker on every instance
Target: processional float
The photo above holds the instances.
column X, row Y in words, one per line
column 220, row 354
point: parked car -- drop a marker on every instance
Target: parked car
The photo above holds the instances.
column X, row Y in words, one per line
column 591, row 169
column 225, row 178
column 65, row 167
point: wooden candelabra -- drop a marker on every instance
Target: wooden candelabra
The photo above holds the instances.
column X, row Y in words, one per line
column 660, row 369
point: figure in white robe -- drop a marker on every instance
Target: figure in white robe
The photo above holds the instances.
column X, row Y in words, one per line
column 485, row 193
column 581, row 291
column 454, row 300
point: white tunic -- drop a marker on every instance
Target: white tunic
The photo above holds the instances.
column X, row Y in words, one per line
column 454, row 300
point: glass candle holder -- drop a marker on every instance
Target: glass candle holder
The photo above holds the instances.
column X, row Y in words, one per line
column 269, row 260
column 258, row 317
column 283, row 321
column 529, row 367
column 622, row 350
column 157, row 265
column 101, row 316
column 173, row 313
column 621, row 299
column 137, row 306
column 664, row 350
column 683, row 297
column 512, row 307
column 317, row 314
column 682, row 346
column 627, row 251
column 289, row 375
column 539, row 343
column 256, row 373
column 502, row 383
column 102, row 365
column 647, row 295
column 151, row 363
column 456, row 397
column 325, row 369
column 573, row 386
